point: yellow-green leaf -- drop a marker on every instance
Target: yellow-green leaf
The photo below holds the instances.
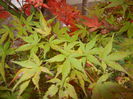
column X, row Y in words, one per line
column 28, row 74
column 25, row 47
column 57, row 58
column 117, row 56
column 103, row 65
column 91, row 44
column 93, row 59
column 3, row 38
column 71, row 91
column 103, row 78
column 46, row 70
column 115, row 66
column 36, row 79
column 2, row 71
column 77, row 64
column 81, row 81
column 23, row 86
column 107, row 49
column 66, row 69
column 26, row 64
column 53, row 89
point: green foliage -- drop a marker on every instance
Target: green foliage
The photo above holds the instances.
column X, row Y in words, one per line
column 5, row 50
column 57, row 65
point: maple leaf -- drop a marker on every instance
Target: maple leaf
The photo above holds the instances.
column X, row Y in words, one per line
column 91, row 22
column 27, row 9
column 37, row 3
column 70, row 16
column 64, row 12
column 3, row 14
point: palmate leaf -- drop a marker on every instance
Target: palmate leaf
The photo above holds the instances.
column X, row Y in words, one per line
column 57, row 58
column 63, row 93
column 23, row 86
column 54, row 81
column 25, row 47
column 66, row 68
column 81, row 81
column 32, row 43
column 103, row 78
column 89, row 48
column 36, row 79
column 32, row 62
column 115, row 66
column 7, row 32
column 71, row 91
column 28, row 74
column 69, row 38
column 53, row 89
column 124, row 28
column 103, row 65
column 56, row 41
column 76, row 64
column 5, row 50
column 93, row 59
column 110, row 59
column 43, row 32
column 34, row 58
column 45, row 70
column 44, row 29
column 71, row 45
column 56, row 28
column 62, row 33
column 94, row 51
column 117, row 56
column 3, row 37
column 91, row 44
column 107, row 49
column 18, row 75
column 29, row 18
column 90, row 51
column 59, row 70
column 31, row 70
column 26, row 64
column 46, row 49
column 32, row 39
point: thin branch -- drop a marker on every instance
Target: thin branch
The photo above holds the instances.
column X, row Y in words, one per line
column 11, row 4
column 10, row 9
column 84, row 5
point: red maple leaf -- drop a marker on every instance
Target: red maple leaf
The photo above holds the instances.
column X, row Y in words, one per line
column 64, row 12
column 3, row 14
column 37, row 3
column 71, row 16
column 27, row 9
column 92, row 23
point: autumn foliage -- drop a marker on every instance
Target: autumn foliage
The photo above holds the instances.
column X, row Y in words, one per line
column 50, row 50
column 3, row 14
column 64, row 12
